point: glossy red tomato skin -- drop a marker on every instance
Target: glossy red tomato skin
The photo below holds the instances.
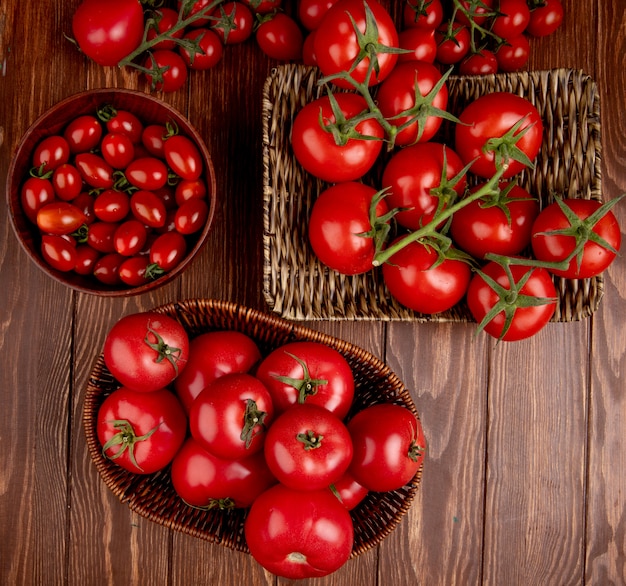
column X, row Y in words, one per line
column 212, row 355
column 183, row 157
column 191, row 216
column 196, row 8
column 211, row 46
column 480, row 11
column 478, row 229
column 153, row 139
column 130, row 237
column 107, row 268
column 328, row 380
column 86, row 258
column 165, row 19
column 429, row 18
column 528, row 321
column 159, row 411
column 175, row 71
column 148, row 208
column 83, row 133
column 58, row 252
column 133, row 271
column 111, row 205
column 51, row 152
column 482, row 63
column 389, row 446
column 411, row 173
column 203, row 480
column 513, row 55
column 307, row 447
column 397, row 94
column 147, row 173
column 311, row 12
column 556, row 248
column 108, row 31
column 349, row 492
column 492, row 116
column 513, row 19
column 240, row 15
column 132, row 358
column 415, row 280
column 452, row 50
column 101, row 236
column 67, row 182
column 263, row 6
column 217, row 416
column 280, row 38
column 421, row 42
column 336, row 44
column 34, row 194
column 124, row 122
column 186, row 190
column 338, row 220
column 168, row 250
column 316, row 150
column 299, row 535
column 117, row 150
column 59, row 217
column 545, row 19
column 94, row 170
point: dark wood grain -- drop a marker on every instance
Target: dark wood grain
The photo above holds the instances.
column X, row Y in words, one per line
column 523, row 482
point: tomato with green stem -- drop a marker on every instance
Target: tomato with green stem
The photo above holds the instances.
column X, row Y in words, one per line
column 233, row 22
column 545, row 18
column 424, row 14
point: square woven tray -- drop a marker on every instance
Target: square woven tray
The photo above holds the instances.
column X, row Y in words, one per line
column 297, row 286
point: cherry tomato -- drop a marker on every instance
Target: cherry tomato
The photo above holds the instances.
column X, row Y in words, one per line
column 425, row 14
column 34, row 194
column 146, row 351
column 512, row 19
column 309, row 373
column 389, row 446
column 107, row 268
column 67, row 182
column 337, row 44
column 164, row 20
column 234, row 22
column 311, row 12
column 199, row 8
column 168, row 70
column 482, row 63
column 478, row 11
column 108, row 31
column 122, row 122
column 453, row 43
column 191, row 216
column 168, row 250
column 141, row 432
column 279, row 519
column 183, row 157
column 94, row 170
column 117, row 150
column 316, row 150
column 51, row 152
column 153, row 139
column 133, row 271
column 231, row 415
column 86, row 258
column 60, row 218
column 308, row 50
column 212, row 355
column 147, row 173
column 83, row 133
column 340, row 229
column 85, row 203
column 111, row 205
column 130, row 237
column 420, row 42
column 186, row 190
column 58, row 252
column 148, row 208
column 349, row 492
column 101, row 236
column 210, row 53
column 545, row 19
column 280, row 37
column 514, row 54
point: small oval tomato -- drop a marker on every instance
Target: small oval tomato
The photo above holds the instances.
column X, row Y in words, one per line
column 512, row 19
column 183, row 157
column 233, row 22
column 389, row 446
column 186, row 190
column 421, row 280
column 311, row 12
column 164, row 20
column 477, row 12
column 148, row 208
column 526, row 297
column 212, row 355
column 145, row 351
column 191, row 216
column 34, row 194
column 563, row 226
column 280, row 517
column 58, row 252
column 120, row 121
column 168, row 250
column 453, row 43
column 153, row 139
column 141, row 432
column 340, row 227
column 107, row 268
column 130, row 237
column 168, row 71
column 51, row 152
column 101, row 236
column 513, row 55
column 86, row 258
column 85, row 202
column 308, row 373
column 67, row 182
column 210, row 53
column 231, row 415
column 280, row 37
column 134, row 271
column 83, row 133
column 94, row 170
column 147, row 173
column 111, row 205
column 117, row 150
column 545, row 19
column 60, row 218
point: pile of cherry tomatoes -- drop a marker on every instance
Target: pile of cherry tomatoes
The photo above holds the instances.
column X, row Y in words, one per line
column 115, row 199
column 446, row 221
column 274, row 433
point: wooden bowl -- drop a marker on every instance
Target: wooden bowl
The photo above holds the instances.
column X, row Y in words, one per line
column 149, row 110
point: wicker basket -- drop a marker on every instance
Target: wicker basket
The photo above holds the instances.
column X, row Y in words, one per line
column 298, row 286
column 153, row 496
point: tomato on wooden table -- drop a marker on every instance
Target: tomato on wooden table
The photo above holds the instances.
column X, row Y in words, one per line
column 210, row 50
column 280, row 37
column 545, row 19
column 167, row 70
column 141, row 432
column 512, row 20
column 232, row 22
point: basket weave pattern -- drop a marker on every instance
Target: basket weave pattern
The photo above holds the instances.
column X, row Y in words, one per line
column 297, row 286
column 153, row 496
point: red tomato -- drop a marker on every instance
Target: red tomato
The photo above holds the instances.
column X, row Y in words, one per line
column 212, row 355
column 308, row 50
column 234, row 22
column 512, row 19
column 297, row 534
column 148, row 208
column 205, row 481
column 107, row 268
column 164, row 20
column 94, row 170
column 34, row 194
column 141, row 432
column 576, row 224
column 421, row 280
column 514, row 54
column 146, row 351
column 210, row 53
column 191, row 216
column 349, row 492
column 147, row 173
column 83, row 133
column 420, row 42
column 198, row 9
column 183, row 157
column 309, row 373
column 397, row 96
column 86, row 258
column 414, row 175
column 168, row 250
column 67, row 182
column 101, row 236
column 153, row 139
column 389, row 446
column 316, row 150
column 493, row 116
column 307, row 448
column 111, row 205
column 337, row 44
column 426, row 14
column 482, row 63
column 85, row 202
column 117, row 150
column 51, row 152
column 60, row 218
column 58, row 252
column 453, row 43
column 545, row 19
column 500, row 224
column 514, row 295
column 168, row 71
column 134, row 271
column 262, row 6
column 186, row 190
column 477, row 11
column 108, row 31
column 311, row 12
column 121, row 122
column 231, row 415
column 340, row 227
column 130, row 237
column 280, row 37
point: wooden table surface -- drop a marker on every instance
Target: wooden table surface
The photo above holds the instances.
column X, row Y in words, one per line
column 525, row 478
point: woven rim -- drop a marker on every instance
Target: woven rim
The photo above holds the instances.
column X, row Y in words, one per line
column 297, row 286
column 153, row 496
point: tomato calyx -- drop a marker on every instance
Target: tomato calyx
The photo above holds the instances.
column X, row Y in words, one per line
column 223, row 504
column 306, row 386
column 253, row 417
column 40, row 172
column 126, row 438
column 415, row 451
column 476, row 10
column 153, row 271
column 505, row 149
column 310, row 440
column 501, row 198
column 163, row 350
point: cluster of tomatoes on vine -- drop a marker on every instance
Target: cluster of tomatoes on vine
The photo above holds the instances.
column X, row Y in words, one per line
column 447, row 221
column 281, row 434
column 115, row 199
